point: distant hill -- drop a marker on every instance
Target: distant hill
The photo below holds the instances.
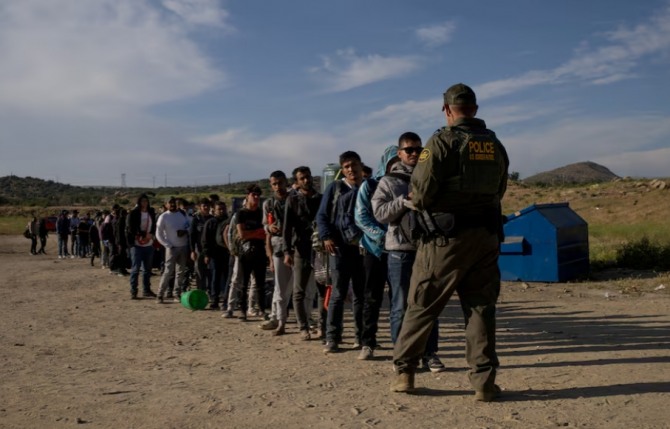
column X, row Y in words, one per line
column 18, row 190
column 32, row 191
column 573, row 174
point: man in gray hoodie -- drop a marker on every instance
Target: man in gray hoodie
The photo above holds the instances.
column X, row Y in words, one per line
column 390, row 203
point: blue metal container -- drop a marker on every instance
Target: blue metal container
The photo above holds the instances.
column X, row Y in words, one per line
column 544, row 243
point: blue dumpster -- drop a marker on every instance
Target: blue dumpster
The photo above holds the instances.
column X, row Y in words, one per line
column 544, row 243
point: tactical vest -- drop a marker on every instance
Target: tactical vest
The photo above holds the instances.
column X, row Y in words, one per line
column 480, row 162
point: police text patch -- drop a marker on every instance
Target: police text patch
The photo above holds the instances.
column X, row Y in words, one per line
column 481, row 150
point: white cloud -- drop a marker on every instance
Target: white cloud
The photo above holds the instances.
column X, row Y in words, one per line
column 629, row 141
column 243, row 151
column 92, row 151
column 346, row 70
column 86, row 56
column 650, row 163
column 612, row 62
column 199, row 12
column 436, row 35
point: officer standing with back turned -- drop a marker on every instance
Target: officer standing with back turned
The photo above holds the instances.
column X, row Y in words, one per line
column 457, row 186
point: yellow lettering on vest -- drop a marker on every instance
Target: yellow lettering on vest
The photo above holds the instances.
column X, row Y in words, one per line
column 481, row 147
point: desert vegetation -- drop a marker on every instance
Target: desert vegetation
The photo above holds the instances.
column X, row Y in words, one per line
column 627, row 218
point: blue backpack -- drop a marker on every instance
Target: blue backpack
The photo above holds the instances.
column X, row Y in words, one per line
column 344, row 204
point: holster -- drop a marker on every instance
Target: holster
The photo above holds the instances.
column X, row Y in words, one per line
column 448, row 225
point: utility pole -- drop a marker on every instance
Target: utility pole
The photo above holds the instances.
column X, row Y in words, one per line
column 154, row 181
column 165, row 180
column 229, row 178
column 123, row 180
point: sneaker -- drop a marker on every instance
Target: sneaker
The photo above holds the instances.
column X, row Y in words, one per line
column 356, row 345
column 366, row 353
column 213, row 306
column 242, row 317
column 149, row 294
column 176, row 299
column 159, row 300
column 133, row 296
column 269, row 325
column 331, row 347
column 488, row 395
column 305, row 335
column 227, row 315
column 433, row 363
column 403, row 383
column 60, row 256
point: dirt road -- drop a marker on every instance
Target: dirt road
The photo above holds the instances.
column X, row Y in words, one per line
column 77, row 352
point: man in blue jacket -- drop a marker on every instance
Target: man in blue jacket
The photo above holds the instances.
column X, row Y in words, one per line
column 374, row 255
column 346, row 262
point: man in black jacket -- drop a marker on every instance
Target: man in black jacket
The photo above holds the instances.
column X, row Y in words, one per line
column 299, row 217
column 215, row 254
column 195, row 233
column 63, row 232
column 140, row 230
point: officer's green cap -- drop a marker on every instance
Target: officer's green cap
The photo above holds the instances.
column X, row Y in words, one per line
column 460, row 95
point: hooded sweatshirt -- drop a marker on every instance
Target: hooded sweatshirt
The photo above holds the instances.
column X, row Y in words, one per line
column 374, row 232
column 389, row 204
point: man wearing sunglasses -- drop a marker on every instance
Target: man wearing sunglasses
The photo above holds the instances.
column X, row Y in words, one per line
column 390, row 204
column 457, row 184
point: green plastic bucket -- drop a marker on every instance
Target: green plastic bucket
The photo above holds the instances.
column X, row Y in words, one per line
column 194, row 299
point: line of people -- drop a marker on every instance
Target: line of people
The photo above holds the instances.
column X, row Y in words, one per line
column 428, row 224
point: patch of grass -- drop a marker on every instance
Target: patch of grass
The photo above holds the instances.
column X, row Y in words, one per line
column 606, row 240
column 643, row 254
column 13, row 224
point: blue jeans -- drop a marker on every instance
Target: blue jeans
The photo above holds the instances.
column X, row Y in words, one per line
column 348, row 265
column 62, row 245
column 399, row 274
column 141, row 257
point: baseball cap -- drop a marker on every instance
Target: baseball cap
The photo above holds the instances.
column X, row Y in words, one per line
column 460, row 94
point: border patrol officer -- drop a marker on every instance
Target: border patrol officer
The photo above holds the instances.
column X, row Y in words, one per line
column 457, row 186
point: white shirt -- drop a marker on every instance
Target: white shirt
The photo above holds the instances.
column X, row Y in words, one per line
column 167, row 226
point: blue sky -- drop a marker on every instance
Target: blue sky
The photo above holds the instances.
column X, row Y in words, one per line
column 200, row 91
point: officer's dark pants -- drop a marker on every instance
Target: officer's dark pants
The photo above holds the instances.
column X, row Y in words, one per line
column 373, row 293
column 346, row 266
column 466, row 264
